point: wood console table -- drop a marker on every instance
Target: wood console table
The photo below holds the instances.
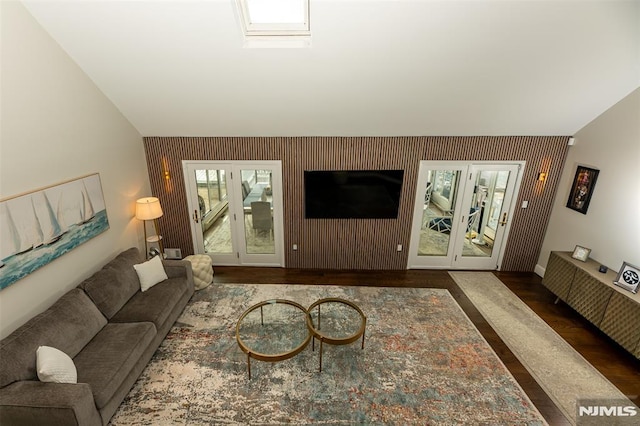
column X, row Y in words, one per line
column 593, row 295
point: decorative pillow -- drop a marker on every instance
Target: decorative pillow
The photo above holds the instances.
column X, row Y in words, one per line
column 55, row 366
column 150, row 273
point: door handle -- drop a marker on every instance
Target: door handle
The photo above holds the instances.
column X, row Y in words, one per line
column 195, row 216
column 503, row 222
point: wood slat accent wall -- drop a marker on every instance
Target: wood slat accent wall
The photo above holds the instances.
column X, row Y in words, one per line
column 359, row 244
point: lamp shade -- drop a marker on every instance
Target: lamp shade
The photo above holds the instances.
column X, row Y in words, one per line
column 148, row 208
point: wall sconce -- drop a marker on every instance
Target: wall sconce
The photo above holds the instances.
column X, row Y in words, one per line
column 165, row 170
column 542, row 176
column 149, row 208
column 166, row 175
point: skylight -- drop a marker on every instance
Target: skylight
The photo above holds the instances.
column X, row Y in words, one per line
column 275, row 17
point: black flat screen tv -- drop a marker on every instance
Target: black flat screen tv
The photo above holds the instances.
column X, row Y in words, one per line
column 352, row 194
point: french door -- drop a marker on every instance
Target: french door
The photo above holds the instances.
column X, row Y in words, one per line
column 462, row 214
column 236, row 211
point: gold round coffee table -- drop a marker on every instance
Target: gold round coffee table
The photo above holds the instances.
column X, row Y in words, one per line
column 284, row 334
column 337, row 322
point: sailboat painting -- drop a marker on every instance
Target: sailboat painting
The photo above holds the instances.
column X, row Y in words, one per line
column 38, row 227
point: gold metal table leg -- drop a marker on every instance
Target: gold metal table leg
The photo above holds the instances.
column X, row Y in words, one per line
column 249, row 364
column 363, row 333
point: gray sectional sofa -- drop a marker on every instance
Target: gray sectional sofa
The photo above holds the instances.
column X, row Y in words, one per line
column 108, row 327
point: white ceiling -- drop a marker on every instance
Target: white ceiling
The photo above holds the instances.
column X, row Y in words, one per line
column 386, row 67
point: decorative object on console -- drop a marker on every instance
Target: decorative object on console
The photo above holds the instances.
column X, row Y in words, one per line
column 628, row 277
column 149, row 208
column 603, row 269
column 581, row 253
column 582, row 189
column 40, row 226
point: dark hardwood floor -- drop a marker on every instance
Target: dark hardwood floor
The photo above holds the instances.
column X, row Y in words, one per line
column 616, row 364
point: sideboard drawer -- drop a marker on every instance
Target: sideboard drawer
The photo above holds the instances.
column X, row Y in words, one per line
column 559, row 276
column 621, row 321
column 589, row 297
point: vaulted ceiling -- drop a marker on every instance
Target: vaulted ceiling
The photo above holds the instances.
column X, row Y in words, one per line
column 374, row 67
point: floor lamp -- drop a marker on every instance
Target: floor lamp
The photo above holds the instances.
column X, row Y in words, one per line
column 149, row 208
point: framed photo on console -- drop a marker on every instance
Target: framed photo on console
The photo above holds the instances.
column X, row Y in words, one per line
column 581, row 253
column 628, row 277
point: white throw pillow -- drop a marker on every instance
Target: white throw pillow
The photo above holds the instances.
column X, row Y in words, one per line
column 55, row 366
column 150, row 273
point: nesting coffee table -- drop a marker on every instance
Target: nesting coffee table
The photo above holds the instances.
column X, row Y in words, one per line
column 283, row 335
column 278, row 329
column 336, row 322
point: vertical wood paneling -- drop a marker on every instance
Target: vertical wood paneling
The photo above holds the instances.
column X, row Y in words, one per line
column 350, row 243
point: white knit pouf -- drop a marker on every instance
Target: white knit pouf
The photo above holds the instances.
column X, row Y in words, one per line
column 202, row 270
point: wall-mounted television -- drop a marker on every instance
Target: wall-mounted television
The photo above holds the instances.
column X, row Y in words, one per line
column 352, row 194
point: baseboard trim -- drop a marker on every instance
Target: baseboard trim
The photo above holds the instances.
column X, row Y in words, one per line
column 539, row 270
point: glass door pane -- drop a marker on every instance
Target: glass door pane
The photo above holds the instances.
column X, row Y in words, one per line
column 257, row 206
column 484, row 212
column 213, row 206
column 487, row 202
column 441, row 191
column 210, row 203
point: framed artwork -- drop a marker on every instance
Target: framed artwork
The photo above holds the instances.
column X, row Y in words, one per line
column 628, row 277
column 40, row 226
column 582, row 189
column 581, row 253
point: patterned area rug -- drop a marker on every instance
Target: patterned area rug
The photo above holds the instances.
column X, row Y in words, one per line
column 561, row 371
column 423, row 362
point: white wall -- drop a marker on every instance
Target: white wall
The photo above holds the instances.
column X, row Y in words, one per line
column 56, row 125
column 611, row 227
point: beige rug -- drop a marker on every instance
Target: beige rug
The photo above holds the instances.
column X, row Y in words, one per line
column 561, row 371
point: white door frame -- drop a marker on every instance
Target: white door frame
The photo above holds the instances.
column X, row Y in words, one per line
column 448, row 262
column 236, row 210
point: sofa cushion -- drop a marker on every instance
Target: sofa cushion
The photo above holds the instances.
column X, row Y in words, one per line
column 111, row 356
column 68, row 325
column 31, row 402
column 155, row 304
column 112, row 286
column 53, row 365
column 150, row 273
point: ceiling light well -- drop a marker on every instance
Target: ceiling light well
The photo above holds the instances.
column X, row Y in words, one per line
column 274, row 18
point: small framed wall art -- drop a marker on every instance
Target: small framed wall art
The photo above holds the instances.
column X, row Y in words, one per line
column 581, row 253
column 582, row 189
column 628, row 277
